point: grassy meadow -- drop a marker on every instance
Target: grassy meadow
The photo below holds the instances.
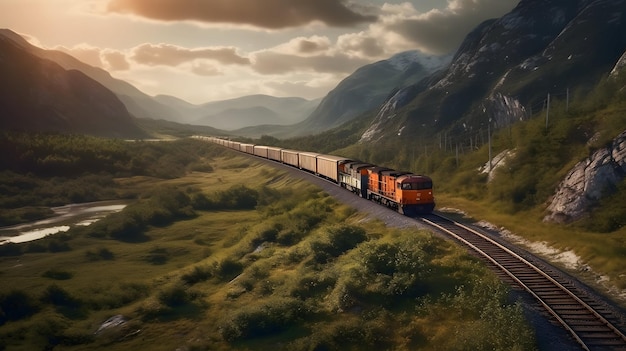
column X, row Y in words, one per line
column 240, row 256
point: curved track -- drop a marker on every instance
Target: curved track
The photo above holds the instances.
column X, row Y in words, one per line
column 587, row 321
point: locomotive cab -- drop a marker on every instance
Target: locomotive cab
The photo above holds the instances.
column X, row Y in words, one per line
column 415, row 193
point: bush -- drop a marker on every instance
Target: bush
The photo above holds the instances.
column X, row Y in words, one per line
column 10, row 249
column 101, row 254
column 57, row 275
column 198, row 274
column 227, row 269
column 337, row 241
column 16, row 305
column 174, row 296
column 237, row 197
column 157, row 256
column 272, row 317
column 58, row 296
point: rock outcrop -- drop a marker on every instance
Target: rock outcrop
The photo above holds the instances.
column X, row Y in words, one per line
column 588, row 181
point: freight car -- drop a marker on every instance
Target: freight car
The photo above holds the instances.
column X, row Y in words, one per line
column 405, row 192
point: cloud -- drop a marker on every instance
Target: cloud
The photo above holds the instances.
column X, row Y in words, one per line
column 270, row 62
column 440, row 31
column 268, row 14
column 84, row 53
column 362, row 44
column 204, row 69
column 115, row 60
column 172, row 55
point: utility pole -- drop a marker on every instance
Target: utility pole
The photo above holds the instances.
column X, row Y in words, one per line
column 567, row 100
column 489, row 138
column 547, row 110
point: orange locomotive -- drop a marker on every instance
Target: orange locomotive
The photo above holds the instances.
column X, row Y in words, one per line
column 405, row 192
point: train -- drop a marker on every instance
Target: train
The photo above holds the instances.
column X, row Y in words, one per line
column 407, row 193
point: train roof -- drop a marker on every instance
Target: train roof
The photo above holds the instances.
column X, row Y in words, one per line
column 416, row 177
column 394, row 173
column 306, row 153
column 333, row 158
column 378, row 169
column 356, row 165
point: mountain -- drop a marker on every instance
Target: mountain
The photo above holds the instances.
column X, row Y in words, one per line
column 506, row 67
column 254, row 110
column 138, row 103
column 214, row 114
column 368, row 87
column 39, row 95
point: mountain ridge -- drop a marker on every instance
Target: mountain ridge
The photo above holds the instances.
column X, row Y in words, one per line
column 506, row 62
column 45, row 97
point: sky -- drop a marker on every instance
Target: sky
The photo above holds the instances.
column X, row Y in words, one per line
column 209, row 50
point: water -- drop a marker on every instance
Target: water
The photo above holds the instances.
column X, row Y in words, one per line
column 65, row 217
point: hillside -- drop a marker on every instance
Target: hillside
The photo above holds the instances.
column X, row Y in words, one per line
column 358, row 93
column 39, row 95
column 505, row 69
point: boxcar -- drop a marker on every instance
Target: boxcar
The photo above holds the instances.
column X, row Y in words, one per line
column 273, row 153
column 247, row 148
column 260, row 151
column 328, row 166
column 289, row 157
column 308, row 161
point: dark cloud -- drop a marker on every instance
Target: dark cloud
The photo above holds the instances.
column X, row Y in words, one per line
column 277, row 63
column 171, row 55
column 270, row 14
column 441, row 31
column 310, row 46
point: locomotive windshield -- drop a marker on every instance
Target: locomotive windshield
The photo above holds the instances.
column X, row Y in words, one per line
column 417, row 185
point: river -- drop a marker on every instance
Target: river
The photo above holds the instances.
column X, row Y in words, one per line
column 65, row 217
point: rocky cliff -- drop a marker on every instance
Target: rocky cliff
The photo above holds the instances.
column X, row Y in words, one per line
column 588, row 181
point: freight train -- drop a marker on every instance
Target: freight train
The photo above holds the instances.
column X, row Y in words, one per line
column 405, row 192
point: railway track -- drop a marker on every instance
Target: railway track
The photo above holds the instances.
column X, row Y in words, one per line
column 587, row 320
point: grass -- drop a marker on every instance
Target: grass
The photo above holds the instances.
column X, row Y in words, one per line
column 603, row 253
column 297, row 270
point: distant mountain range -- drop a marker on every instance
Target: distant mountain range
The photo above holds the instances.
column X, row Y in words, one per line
column 368, row 87
column 506, row 67
column 39, row 95
column 360, row 92
column 227, row 114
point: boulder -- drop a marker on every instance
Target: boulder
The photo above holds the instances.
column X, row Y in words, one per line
column 588, row 181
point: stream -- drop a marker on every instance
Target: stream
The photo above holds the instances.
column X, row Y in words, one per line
column 65, row 217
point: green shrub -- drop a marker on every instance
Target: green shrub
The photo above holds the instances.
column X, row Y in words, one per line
column 198, row 274
column 173, row 296
column 227, row 269
column 610, row 214
column 57, row 275
column 16, row 305
column 237, row 197
column 157, row 256
column 274, row 316
column 336, row 241
column 101, row 254
column 118, row 296
column 10, row 249
column 58, row 296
